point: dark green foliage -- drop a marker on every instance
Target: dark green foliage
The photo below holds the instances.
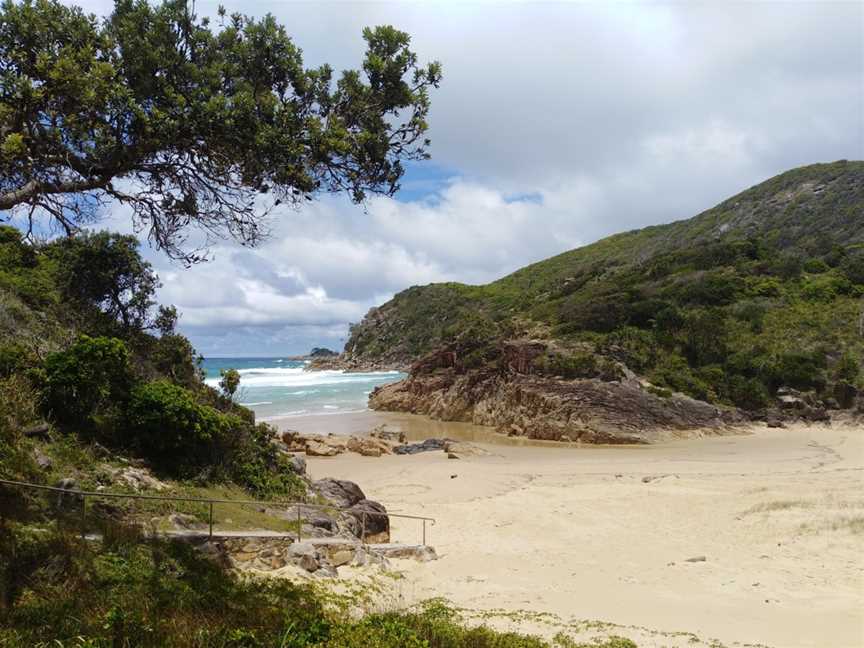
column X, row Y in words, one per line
column 166, row 424
column 704, row 336
column 191, row 126
column 252, row 460
column 848, row 369
column 173, row 356
column 103, row 275
column 92, row 376
column 800, row 370
column 14, row 357
column 852, row 267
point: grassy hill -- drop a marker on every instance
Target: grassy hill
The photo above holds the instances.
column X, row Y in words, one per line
column 762, row 291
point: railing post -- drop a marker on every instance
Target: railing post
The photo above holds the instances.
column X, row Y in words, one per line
column 83, row 516
column 211, row 520
column 299, row 526
column 363, row 529
column 424, row 532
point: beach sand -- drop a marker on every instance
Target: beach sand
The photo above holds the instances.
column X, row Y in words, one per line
column 605, row 533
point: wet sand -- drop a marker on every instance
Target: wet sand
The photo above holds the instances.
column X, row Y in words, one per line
column 603, row 533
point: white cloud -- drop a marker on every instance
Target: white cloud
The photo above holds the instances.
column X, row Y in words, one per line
column 609, row 116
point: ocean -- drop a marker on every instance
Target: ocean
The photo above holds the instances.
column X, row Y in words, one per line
column 278, row 387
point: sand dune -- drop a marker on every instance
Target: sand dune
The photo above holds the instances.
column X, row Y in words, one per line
column 605, row 534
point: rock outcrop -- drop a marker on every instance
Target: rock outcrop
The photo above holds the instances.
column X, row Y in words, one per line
column 588, row 410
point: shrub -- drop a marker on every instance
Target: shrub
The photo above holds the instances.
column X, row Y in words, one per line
column 256, row 465
column 674, row 373
column 90, row 377
column 705, row 336
column 712, row 289
column 13, row 358
column 848, row 369
column 852, row 267
column 799, row 370
column 815, row 266
column 634, row 347
column 747, row 393
column 166, row 424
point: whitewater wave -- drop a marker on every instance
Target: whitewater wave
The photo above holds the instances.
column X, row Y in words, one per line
column 297, row 377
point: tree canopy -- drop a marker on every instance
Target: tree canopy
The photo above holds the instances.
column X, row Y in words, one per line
column 192, row 126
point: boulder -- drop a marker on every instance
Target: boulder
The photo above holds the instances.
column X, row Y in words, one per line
column 139, row 479
column 67, row 499
column 422, row 553
column 372, row 522
column 185, row 522
column 297, row 463
column 304, row 555
column 315, row 448
column 845, row 395
column 42, row 460
column 429, row 445
column 463, row 449
column 342, row 493
column 384, row 434
column 368, row 447
column 39, row 430
column 293, row 441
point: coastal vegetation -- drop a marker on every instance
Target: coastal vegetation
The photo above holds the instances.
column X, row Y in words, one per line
column 762, row 292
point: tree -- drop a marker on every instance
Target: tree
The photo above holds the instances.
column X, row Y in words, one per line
column 229, row 382
column 105, row 272
column 190, row 126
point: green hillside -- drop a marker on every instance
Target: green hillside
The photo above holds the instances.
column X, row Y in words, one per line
column 762, row 291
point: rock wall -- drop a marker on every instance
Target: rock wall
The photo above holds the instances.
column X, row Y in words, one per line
column 587, row 410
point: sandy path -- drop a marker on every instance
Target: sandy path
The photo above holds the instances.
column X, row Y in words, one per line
column 778, row 516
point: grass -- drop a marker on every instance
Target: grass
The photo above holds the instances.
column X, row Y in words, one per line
column 57, row 590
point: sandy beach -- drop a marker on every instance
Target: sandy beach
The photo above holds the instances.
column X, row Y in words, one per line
column 746, row 539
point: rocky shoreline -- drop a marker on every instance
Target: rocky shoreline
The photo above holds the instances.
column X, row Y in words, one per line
column 617, row 409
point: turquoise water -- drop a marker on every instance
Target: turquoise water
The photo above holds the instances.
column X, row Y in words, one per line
column 277, row 387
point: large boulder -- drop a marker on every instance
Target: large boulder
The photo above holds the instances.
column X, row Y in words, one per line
column 368, row 447
column 315, row 448
column 372, row 521
column 428, row 445
column 340, row 492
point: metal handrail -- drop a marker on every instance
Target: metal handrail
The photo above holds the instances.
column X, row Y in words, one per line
column 174, row 498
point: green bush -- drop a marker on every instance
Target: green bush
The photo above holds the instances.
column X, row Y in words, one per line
column 635, row 347
column 848, row 369
column 800, row 370
column 166, row 424
column 815, row 266
column 747, row 393
column 256, row 465
column 13, row 358
column 852, row 267
column 91, row 377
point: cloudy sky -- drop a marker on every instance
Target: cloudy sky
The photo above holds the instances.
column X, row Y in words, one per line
column 555, row 125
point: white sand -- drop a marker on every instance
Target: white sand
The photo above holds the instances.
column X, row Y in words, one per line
column 778, row 515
